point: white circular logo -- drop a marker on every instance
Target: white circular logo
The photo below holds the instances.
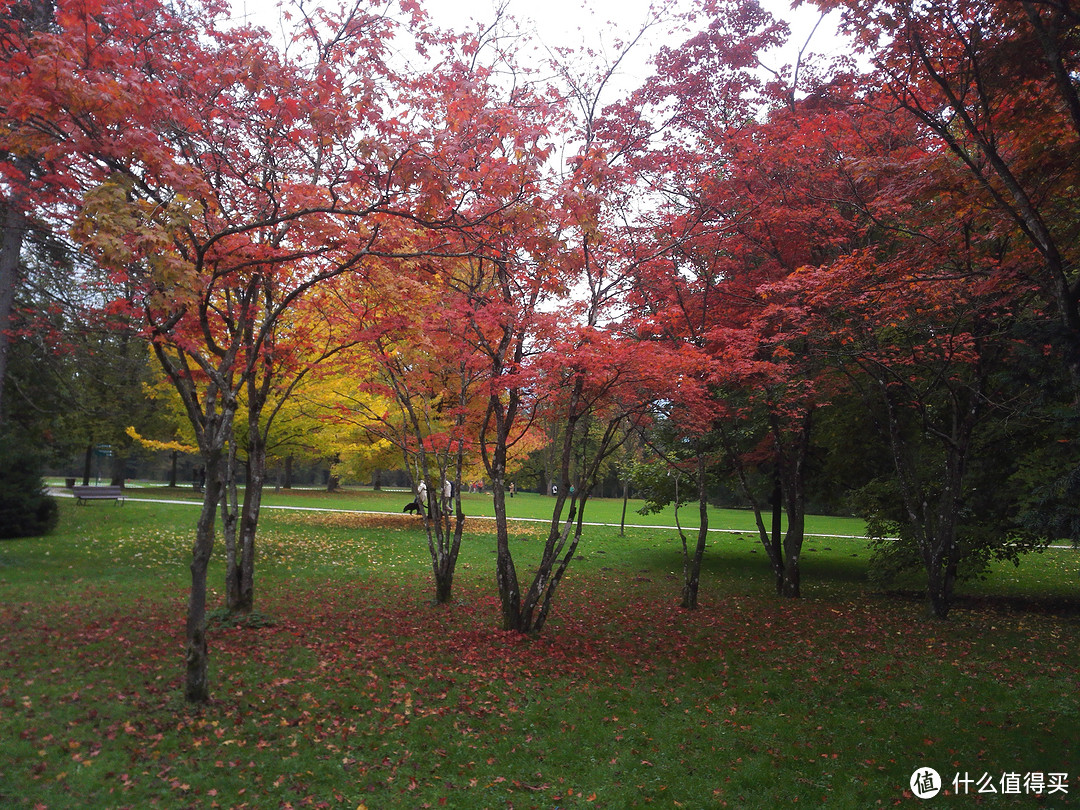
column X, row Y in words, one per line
column 925, row 783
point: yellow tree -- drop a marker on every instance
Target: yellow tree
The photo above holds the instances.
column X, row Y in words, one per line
column 329, row 412
column 409, row 387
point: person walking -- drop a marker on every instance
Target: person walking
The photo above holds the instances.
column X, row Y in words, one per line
column 421, row 495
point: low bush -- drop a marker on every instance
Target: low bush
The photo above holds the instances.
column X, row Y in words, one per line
column 26, row 508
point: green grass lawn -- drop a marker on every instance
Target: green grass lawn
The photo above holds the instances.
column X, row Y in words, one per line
column 351, row 689
column 525, row 505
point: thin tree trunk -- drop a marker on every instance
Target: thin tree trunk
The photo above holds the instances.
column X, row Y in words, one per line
column 249, row 523
column 535, row 604
column 444, row 586
column 87, row 464
column 777, row 503
column 793, row 542
column 448, row 538
column 444, row 561
column 560, row 548
column 935, row 528
column 196, row 683
column 14, row 227
column 117, row 470
column 941, row 580
column 770, row 543
column 793, row 484
column 543, row 584
column 692, row 563
column 229, row 522
column 625, row 502
column 939, row 535
column 505, row 573
column 556, row 578
column 249, row 519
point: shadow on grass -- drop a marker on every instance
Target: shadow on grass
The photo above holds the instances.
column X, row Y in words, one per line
column 822, row 564
column 1058, row 606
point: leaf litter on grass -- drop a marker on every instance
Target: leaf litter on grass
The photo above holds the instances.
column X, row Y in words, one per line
column 364, row 692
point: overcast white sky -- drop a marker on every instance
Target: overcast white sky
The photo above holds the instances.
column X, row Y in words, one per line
column 559, row 18
column 595, row 23
column 572, row 22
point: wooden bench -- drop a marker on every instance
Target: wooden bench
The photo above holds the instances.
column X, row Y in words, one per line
column 84, row 494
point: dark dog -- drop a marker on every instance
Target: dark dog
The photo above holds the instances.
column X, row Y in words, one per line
column 412, row 506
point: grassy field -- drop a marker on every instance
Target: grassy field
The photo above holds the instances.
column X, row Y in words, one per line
column 525, row 505
column 350, row 689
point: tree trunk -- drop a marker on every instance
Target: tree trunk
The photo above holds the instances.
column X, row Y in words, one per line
column 771, row 543
column 196, row 684
column 692, row 563
column 444, row 539
column 249, row 522
column 230, row 519
column 444, row 586
column 447, row 541
column 240, row 564
column 117, row 470
column 625, row 502
column 941, row 578
column 505, row 573
column 793, row 542
column 934, row 517
column 288, row 472
column 172, row 468
column 549, row 591
column 777, row 503
column 793, row 484
column 939, row 535
column 249, row 516
column 87, row 464
column 14, row 227
column 543, row 583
